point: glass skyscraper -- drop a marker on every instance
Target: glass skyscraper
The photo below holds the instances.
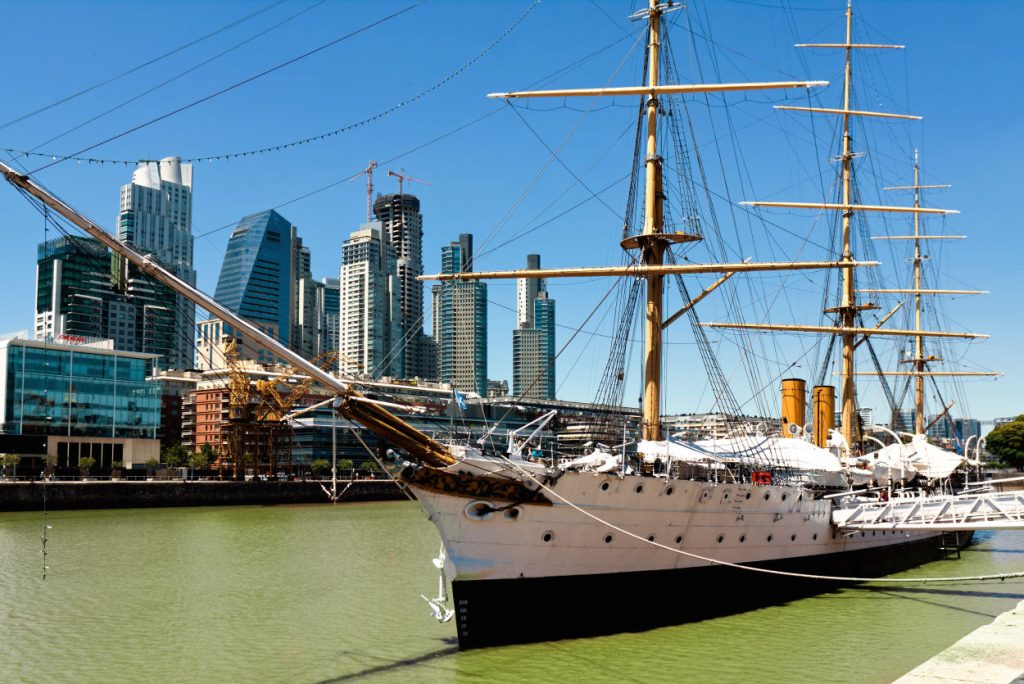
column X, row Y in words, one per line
column 256, row 277
column 83, row 292
column 328, row 305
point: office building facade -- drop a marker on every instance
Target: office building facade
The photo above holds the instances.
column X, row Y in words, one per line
column 84, row 292
column 88, row 401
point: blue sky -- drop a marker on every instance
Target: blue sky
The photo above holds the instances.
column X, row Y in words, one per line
column 496, row 178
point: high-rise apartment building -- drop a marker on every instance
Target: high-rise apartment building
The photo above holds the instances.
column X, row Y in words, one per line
column 402, row 225
column 526, row 292
column 533, row 340
column 156, row 218
column 370, row 303
column 460, row 321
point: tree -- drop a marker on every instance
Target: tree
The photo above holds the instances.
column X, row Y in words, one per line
column 10, row 461
column 318, row 466
column 346, row 464
column 175, row 456
column 208, row 452
column 1007, row 442
column 85, row 464
column 151, row 465
column 199, row 460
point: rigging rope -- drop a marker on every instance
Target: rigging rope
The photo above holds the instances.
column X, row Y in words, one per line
column 237, row 84
column 272, row 148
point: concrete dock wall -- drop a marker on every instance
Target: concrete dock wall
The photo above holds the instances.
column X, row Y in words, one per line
column 28, row 496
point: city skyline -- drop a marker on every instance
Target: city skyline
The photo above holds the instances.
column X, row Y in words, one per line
column 462, row 199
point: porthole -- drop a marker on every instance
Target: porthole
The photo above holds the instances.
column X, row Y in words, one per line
column 679, row 539
column 814, row 537
column 862, row 533
column 608, row 539
column 725, row 497
column 548, row 537
column 650, row 537
column 767, row 495
column 639, row 489
column 792, row 537
column 668, row 491
column 721, row 538
column 783, row 497
column 704, row 496
column 743, row 538
column 748, row 496
column 873, row 533
column 478, row 510
column 800, row 498
column 604, row 486
column 512, row 514
column 769, row 538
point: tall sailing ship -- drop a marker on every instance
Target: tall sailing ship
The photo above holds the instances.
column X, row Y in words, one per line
column 679, row 529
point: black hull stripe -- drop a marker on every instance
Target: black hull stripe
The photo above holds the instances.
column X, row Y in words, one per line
column 509, row 611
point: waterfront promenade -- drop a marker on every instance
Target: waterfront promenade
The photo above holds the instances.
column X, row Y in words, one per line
column 992, row 654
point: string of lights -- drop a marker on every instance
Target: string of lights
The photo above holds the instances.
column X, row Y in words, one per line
column 56, row 158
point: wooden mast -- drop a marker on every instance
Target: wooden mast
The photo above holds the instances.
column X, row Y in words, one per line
column 653, row 241
column 920, row 361
column 847, row 311
column 654, row 250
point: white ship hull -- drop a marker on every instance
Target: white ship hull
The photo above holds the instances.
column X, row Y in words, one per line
column 498, row 549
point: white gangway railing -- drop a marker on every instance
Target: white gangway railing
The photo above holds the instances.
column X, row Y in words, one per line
column 939, row 513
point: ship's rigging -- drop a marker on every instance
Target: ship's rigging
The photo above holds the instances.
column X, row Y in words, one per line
column 518, row 532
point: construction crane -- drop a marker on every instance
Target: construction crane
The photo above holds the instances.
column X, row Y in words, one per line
column 400, row 175
column 273, row 406
column 368, row 171
column 233, row 432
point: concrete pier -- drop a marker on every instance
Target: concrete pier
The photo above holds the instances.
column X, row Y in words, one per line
column 28, row 496
column 989, row 655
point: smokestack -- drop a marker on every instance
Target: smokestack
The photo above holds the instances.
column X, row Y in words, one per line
column 824, row 413
column 794, row 406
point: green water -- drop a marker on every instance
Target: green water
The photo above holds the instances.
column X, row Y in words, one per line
column 331, row 593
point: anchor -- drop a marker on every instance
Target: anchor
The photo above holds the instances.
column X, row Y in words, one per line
column 440, row 612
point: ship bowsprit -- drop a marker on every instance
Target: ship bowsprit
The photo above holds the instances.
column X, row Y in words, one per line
column 952, row 513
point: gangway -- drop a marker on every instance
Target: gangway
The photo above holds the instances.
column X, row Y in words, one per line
column 934, row 513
